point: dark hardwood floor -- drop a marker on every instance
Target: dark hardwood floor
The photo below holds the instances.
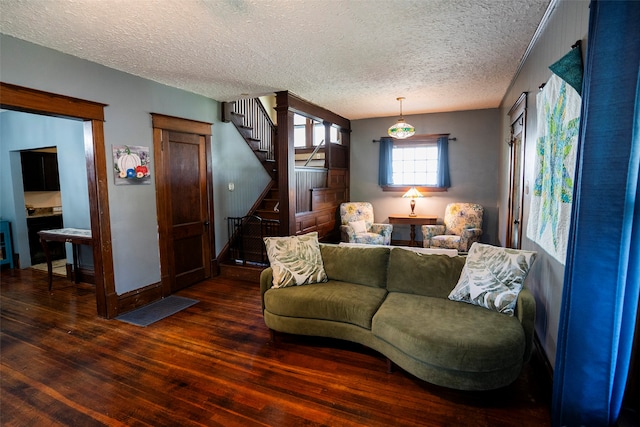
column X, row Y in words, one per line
column 213, row 365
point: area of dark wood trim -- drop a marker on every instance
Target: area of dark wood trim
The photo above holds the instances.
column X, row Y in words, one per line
column 308, row 109
column 540, row 356
column 50, row 104
column 92, row 113
column 180, row 125
column 161, row 126
column 405, row 188
column 139, row 297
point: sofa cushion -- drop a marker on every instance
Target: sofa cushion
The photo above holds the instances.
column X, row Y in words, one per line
column 448, row 334
column 363, row 266
column 423, row 274
column 295, row 260
column 335, row 300
column 493, row 277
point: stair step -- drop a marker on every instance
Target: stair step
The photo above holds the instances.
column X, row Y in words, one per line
column 247, row 273
column 262, row 155
column 253, row 143
column 267, row 214
column 268, row 204
column 245, row 131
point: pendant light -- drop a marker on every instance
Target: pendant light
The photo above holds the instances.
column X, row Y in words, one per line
column 401, row 129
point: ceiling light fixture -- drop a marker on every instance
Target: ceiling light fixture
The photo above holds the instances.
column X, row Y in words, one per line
column 401, row 129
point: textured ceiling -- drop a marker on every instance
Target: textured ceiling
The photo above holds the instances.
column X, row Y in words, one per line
column 353, row 57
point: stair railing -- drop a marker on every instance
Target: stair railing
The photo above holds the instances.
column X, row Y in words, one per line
column 256, row 117
column 246, row 236
column 315, row 151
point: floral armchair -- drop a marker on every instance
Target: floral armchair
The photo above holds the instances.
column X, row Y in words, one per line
column 462, row 227
column 357, row 225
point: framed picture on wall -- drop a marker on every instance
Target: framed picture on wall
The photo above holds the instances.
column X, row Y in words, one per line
column 131, row 165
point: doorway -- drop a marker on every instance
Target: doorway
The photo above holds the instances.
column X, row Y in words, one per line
column 42, row 199
column 517, row 120
column 184, row 193
column 91, row 113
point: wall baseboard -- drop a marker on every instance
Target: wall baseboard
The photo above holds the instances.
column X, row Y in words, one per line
column 541, row 357
column 139, row 297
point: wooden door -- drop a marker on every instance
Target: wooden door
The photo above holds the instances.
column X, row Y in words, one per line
column 516, row 173
column 184, row 207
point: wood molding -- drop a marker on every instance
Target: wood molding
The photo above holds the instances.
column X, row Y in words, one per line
column 92, row 113
column 139, row 297
column 541, row 355
column 178, row 124
column 162, row 125
column 308, row 109
column 51, row 104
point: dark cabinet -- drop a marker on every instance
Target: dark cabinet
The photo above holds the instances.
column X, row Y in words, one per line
column 34, row 225
column 40, row 171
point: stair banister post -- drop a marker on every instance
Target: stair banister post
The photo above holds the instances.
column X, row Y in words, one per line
column 285, row 161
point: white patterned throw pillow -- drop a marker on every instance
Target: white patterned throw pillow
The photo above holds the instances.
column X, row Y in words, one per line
column 493, row 277
column 295, row 260
column 359, row 227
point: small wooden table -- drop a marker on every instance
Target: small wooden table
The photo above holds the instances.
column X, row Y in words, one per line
column 412, row 221
column 75, row 236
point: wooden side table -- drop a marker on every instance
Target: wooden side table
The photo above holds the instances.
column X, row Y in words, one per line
column 412, row 221
column 75, row 236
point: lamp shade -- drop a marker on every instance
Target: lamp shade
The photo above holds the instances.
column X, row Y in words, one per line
column 412, row 194
column 401, row 129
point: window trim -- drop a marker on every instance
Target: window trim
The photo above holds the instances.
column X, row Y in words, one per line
column 422, row 138
column 405, row 188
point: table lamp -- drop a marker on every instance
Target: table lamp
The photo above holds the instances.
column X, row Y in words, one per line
column 412, row 194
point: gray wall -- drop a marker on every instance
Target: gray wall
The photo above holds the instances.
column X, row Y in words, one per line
column 568, row 23
column 130, row 101
column 473, row 162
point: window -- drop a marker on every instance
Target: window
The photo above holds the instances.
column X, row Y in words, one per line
column 419, row 161
column 415, row 164
column 308, row 132
column 299, row 131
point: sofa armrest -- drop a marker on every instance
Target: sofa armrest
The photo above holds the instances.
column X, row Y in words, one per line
column 526, row 313
column 347, row 234
column 266, row 281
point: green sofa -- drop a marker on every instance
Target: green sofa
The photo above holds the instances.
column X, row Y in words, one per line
column 395, row 302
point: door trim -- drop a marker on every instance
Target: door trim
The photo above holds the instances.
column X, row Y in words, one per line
column 517, row 114
column 161, row 123
column 28, row 100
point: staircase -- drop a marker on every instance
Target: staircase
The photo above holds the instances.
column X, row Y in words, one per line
column 256, row 127
column 269, row 206
column 245, row 256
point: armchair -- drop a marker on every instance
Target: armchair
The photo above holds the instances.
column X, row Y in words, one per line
column 462, row 227
column 357, row 225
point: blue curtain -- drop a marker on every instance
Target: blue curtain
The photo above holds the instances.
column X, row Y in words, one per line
column 443, row 162
column 602, row 274
column 385, row 170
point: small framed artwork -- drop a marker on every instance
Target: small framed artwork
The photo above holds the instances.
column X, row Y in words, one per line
column 131, row 165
